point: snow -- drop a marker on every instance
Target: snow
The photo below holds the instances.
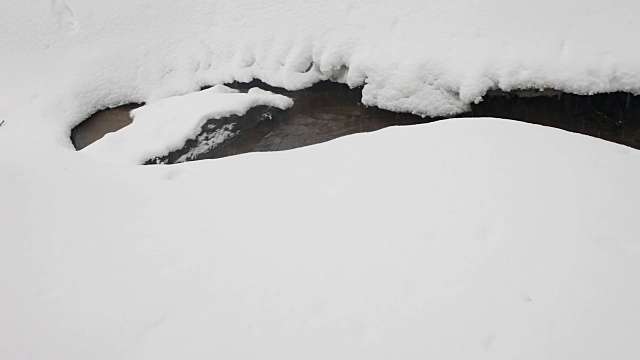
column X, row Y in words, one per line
column 163, row 126
column 472, row 238
column 425, row 57
column 208, row 141
column 467, row 238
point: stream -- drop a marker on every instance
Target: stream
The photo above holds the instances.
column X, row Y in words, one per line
column 330, row 110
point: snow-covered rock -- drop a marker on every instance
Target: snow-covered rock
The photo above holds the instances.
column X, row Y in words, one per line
column 163, row 126
column 476, row 238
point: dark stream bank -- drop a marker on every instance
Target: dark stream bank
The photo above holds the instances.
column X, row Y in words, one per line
column 330, row 110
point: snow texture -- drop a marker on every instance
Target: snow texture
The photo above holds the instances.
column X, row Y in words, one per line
column 476, row 238
column 425, row 57
column 163, row 126
column 461, row 239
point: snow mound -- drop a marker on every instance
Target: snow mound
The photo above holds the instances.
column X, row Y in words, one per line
column 459, row 239
column 163, row 126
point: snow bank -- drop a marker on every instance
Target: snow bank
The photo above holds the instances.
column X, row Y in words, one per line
column 480, row 239
column 63, row 62
column 163, row 126
column 461, row 239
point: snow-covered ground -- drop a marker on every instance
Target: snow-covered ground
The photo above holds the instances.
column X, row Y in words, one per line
column 461, row 239
column 458, row 239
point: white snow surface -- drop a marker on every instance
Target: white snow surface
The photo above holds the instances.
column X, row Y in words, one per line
column 461, row 239
column 163, row 126
column 430, row 57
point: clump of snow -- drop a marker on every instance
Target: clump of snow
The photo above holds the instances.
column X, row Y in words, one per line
column 163, row 126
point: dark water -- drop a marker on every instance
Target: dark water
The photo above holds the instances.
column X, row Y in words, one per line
column 329, row 110
column 321, row 113
column 101, row 123
column 614, row 116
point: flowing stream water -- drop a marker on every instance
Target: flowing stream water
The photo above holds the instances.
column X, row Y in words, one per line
column 329, row 110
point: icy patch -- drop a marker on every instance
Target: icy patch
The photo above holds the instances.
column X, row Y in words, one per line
column 166, row 125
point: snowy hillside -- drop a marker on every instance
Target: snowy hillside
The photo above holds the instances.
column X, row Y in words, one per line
column 460, row 239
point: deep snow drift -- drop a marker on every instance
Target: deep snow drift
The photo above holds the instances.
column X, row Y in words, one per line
column 477, row 238
column 481, row 239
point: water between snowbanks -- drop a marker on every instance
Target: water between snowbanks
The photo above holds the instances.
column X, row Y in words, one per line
column 330, row 110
